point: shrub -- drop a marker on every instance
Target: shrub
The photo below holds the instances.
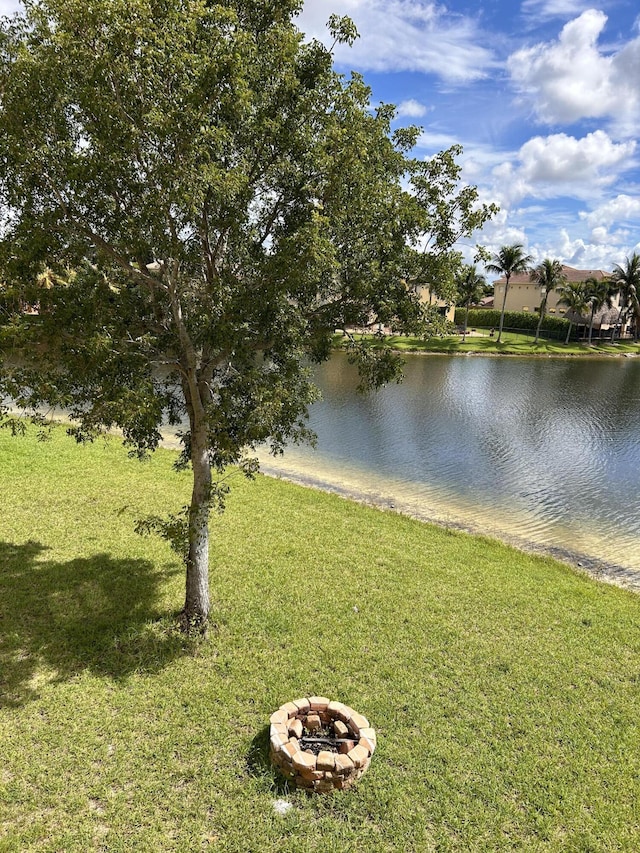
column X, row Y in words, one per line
column 487, row 318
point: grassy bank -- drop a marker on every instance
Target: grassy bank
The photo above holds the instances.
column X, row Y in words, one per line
column 505, row 688
column 511, row 344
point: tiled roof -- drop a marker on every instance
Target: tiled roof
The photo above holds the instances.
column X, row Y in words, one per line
column 571, row 273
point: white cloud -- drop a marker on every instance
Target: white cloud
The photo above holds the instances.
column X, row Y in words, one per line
column 555, row 8
column 411, row 108
column 572, row 79
column 477, row 159
column 555, row 176
column 562, row 159
column 404, row 35
column 622, row 208
column 433, row 141
column 561, row 165
column 501, row 233
column 598, row 250
column 600, row 236
column 578, row 253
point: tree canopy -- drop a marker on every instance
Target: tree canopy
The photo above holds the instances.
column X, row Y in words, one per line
column 549, row 276
column 508, row 261
column 209, row 201
column 575, row 295
column 600, row 293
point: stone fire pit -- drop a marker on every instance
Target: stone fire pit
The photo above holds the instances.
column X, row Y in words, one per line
column 319, row 744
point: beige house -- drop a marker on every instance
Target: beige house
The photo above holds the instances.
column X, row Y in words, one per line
column 526, row 295
column 448, row 311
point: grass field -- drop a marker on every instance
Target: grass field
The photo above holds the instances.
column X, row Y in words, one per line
column 512, row 343
column 504, row 688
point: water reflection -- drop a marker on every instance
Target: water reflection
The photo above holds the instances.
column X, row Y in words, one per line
column 543, row 451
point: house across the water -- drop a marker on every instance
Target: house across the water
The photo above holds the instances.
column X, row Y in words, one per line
column 526, row 295
column 446, row 309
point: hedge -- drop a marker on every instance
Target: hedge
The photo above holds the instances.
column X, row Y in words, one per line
column 488, row 318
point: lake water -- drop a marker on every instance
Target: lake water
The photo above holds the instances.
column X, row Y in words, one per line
column 544, row 453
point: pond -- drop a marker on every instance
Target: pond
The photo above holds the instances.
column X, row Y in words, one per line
column 544, row 452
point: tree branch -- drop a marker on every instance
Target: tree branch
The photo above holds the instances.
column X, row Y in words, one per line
column 211, row 271
column 99, row 242
column 190, row 368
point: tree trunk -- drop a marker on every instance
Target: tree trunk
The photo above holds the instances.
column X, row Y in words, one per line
column 613, row 333
column 195, row 391
column 504, row 302
column 466, row 321
column 568, row 332
column 196, row 605
column 542, row 308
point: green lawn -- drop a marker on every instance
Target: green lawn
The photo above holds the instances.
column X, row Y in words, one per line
column 511, row 344
column 505, row 688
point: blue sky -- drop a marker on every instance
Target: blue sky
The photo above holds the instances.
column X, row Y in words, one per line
column 544, row 96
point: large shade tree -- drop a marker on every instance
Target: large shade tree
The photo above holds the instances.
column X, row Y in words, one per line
column 549, row 276
column 210, row 201
column 508, row 261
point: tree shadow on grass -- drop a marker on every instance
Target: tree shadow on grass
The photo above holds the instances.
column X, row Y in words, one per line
column 448, row 345
column 58, row 619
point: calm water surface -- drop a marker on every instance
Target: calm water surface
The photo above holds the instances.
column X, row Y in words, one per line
column 544, row 452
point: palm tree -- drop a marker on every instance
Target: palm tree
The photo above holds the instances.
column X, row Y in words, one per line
column 509, row 261
column 469, row 289
column 627, row 279
column 549, row 276
column 599, row 293
column 574, row 295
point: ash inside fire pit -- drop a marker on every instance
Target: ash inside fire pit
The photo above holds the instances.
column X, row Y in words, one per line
column 319, row 744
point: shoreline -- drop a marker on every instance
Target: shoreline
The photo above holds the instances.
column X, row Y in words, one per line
column 586, row 351
column 497, row 354
column 593, row 356
column 595, row 568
